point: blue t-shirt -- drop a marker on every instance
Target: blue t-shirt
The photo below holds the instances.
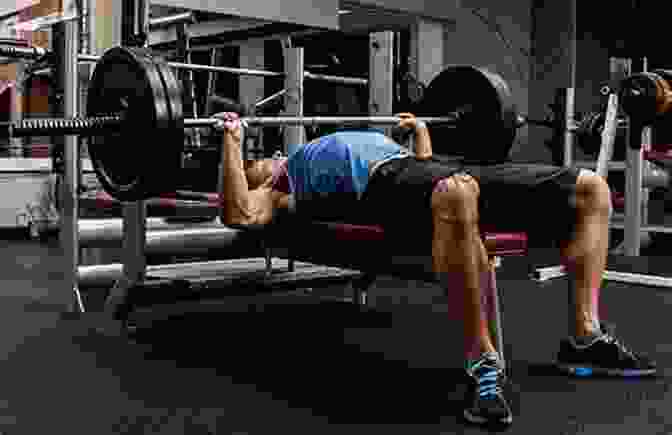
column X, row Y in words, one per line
column 338, row 163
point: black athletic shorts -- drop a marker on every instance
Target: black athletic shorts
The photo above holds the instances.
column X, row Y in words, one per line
column 530, row 198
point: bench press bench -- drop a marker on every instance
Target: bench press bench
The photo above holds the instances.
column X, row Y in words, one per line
column 358, row 247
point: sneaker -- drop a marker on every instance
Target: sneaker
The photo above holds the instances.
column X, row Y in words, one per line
column 605, row 356
column 485, row 401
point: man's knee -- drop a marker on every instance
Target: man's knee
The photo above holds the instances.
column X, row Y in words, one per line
column 593, row 193
column 456, row 199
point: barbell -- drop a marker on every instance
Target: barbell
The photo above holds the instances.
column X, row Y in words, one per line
column 135, row 121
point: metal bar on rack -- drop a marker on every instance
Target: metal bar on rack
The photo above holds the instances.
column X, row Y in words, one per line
column 85, row 34
column 212, row 81
column 69, row 234
column 17, row 110
column 652, row 177
column 294, row 133
column 247, row 71
column 633, row 191
column 336, row 79
column 169, row 20
column 198, row 67
column 104, row 232
column 638, row 278
column 495, row 311
column 188, row 84
column 645, row 228
column 570, row 100
column 265, row 101
column 381, row 74
column 134, row 240
column 239, row 71
column 646, row 146
column 570, row 126
column 203, row 240
column 134, row 214
column 250, row 269
column 294, row 104
column 548, row 273
column 613, row 166
column 568, row 158
column 608, row 137
column 88, row 58
column 646, row 181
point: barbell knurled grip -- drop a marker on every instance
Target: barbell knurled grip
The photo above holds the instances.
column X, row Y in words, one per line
column 58, row 126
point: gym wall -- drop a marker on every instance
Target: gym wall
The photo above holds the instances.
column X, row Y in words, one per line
column 497, row 36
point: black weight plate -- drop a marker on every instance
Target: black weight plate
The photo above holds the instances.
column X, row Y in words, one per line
column 170, row 156
column 168, row 143
column 589, row 135
column 639, row 96
column 125, row 80
column 487, row 129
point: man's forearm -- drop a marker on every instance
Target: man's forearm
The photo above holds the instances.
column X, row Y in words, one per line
column 423, row 142
column 234, row 189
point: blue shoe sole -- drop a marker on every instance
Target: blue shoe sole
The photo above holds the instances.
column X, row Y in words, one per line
column 588, row 371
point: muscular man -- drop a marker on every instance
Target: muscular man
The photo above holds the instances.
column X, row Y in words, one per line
column 447, row 202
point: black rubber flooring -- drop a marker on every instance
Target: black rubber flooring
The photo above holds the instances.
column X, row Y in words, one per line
column 285, row 365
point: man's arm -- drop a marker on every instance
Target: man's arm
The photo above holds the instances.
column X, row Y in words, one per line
column 239, row 204
column 423, row 142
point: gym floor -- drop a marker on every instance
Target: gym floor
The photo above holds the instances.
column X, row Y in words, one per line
column 284, row 364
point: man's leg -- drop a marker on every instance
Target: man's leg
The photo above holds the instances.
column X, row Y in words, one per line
column 461, row 263
column 585, row 255
column 459, row 258
column 593, row 349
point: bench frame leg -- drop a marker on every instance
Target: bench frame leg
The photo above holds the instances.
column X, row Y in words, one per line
column 360, row 289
